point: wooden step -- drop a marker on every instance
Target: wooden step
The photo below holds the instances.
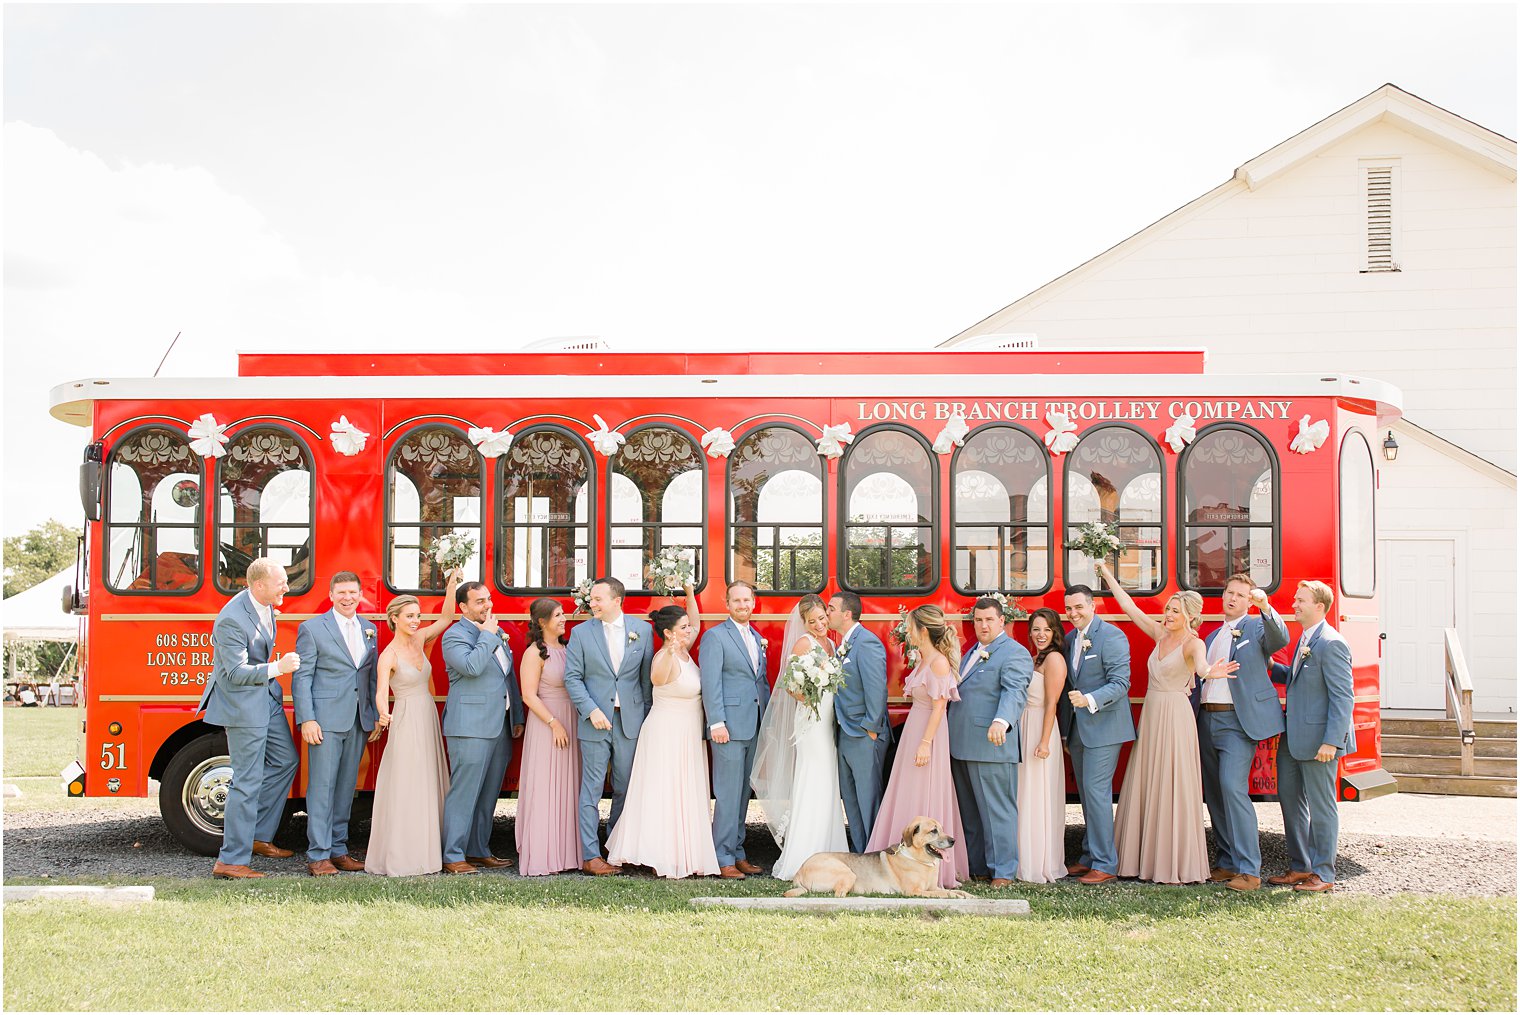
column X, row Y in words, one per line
column 1483, row 747
column 1433, row 764
column 1457, row 785
column 1398, row 726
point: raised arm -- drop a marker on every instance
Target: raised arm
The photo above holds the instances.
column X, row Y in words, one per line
column 693, row 615
column 1127, row 603
column 441, row 625
column 1274, row 633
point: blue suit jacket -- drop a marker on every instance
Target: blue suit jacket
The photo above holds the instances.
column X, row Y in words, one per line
column 1320, row 696
column 733, row 692
column 239, row 691
column 327, row 686
column 1256, row 704
column 591, row 684
column 994, row 688
column 481, row 692
column 860, row 706
column 1101, row 670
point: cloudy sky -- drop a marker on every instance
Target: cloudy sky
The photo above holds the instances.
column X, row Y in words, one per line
column 745, row 176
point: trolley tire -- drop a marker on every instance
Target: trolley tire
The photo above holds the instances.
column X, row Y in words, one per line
column 188, row 792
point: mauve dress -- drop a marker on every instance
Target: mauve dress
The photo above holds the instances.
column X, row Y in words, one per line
column 929, row 791
column 1159, row 826
column 548, row 840
column 406, row 831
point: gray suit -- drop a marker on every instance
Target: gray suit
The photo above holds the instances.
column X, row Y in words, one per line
column 734, row 692
column 1227, row 739
column 340, row 696
column 987, row 775
column 242, row 697
column 1318, row 711
column 482, row 692
column 1093, row 739
column 861, row 707
column 592, row 684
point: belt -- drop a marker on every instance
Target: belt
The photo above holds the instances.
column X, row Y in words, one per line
column 1210, row 706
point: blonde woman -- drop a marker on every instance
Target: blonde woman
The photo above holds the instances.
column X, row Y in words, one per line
column 406, row 832
column 921, row 783
column 1159, row 826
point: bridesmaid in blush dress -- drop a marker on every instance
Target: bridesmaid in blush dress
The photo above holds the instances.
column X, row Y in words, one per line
column 549, row 782
column 920, row 784
column 1042, row 776
column 666, row 823
column 406, row 831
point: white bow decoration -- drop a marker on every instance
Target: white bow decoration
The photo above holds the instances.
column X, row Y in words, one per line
column 1181, row 433
column 490, row 443
column 347, row 439
column 1310, row 436
column 1062, row 436
column 835, row 437
column 604, row 440
column 953, row 435
column 207, row 438
column 718, row 442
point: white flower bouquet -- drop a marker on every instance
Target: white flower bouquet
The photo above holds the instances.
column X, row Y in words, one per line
column 453, row 550
column 813, row 675
column 899, row 635
column 670, row 571
column 582, row 596
column 1011, row 610
column 1096, row 540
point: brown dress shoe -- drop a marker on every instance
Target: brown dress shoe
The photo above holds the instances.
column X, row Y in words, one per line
column 1001, row 882
column 459, row 867
column 745, row 867
column 1290, row 878
column 489, row 861
column 270, row 850
column 233, row 870
column 981, row 877
column 1220, row 874
column 1095, row 877
column 346, row 863
column 1076, row 870
column 732, row 872
column 1244, row 883
column 321, row 867
column 599, row 867
column 1313, row 884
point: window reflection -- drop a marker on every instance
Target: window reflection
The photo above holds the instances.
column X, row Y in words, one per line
column 655, row 502
column 889, row 512
column 544, row 490
column 776, row 503
column 1000, row 512
column 1227, row 509
column 433, row 484
column 152, row 527
column 1114, row 476
column 264, row 507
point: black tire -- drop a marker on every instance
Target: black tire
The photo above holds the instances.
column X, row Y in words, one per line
column 192, row 795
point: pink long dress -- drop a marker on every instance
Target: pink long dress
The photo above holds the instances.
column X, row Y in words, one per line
column 914, row 792
column 406, row 832
column 1042, row 794
column 549, row 782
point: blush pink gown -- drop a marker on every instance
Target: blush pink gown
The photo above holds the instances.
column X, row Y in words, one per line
column 548, row 840
column 1042, row 794
column 406, row 831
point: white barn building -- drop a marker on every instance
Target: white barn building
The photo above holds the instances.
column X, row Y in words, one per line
column 1378, row 242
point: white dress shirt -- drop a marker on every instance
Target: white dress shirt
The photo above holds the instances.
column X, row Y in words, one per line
column 1217, row 692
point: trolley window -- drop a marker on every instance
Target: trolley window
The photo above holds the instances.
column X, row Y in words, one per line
column 1229, row 517
column 545, row 490
column 1114, row 476
column 657, row 496
column 433, row 481
column 1358, row 483
column 153, row 514
column 889, row 512
column 264, row 507
column 775, row 511
column 1000, row 513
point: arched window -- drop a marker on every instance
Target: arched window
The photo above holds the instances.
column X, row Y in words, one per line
column 1228, row 523
column 889, row 512
column 1114, row 476
column 544, row 483
column 1358, row 486
column 657, row 499
column 433, row 480
column 264, row 507
column 1000, row 513
column 153, row 514
column 775, row 511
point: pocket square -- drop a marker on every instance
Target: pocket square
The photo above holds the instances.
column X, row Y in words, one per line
column 1093, row 656
column 1243, row 643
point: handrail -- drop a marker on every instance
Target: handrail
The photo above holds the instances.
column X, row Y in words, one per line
column 1459, row 690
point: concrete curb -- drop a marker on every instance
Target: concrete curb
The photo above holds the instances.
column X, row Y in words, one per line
column 88, row 893
column 12, row 791
column 829, row 904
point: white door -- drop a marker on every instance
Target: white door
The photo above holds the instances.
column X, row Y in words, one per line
column 1419, row 580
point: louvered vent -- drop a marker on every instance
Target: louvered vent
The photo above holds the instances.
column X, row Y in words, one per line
column 1380, row 219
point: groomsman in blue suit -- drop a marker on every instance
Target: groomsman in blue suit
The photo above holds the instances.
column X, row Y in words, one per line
column 984, row 744
column 607, row 678
column 245, row 697
column 1096, row 722
column 860, row 713
column 334, row 692
column 1319, row 731
column 482, row 693
column 734, row 694
column 1235, row 714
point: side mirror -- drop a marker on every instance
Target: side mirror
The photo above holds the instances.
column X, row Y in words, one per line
column 89, row 480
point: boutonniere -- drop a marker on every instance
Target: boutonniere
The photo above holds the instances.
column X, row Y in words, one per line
column 1303, row 653
column 1086, row 644
column 983, row 655
column 369, row 634
column 633, row 636
column 843, row 652
column 1234, row 632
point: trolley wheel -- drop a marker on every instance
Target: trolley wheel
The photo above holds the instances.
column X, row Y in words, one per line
column 192, row 795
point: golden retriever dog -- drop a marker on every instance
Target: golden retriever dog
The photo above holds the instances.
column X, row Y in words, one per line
column 909, row 868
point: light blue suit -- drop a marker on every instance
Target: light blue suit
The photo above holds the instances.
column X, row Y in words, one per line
column 1318, row 711
column 242, row 698
column 1093, row 739
column 340, row 697
column 734, row 692
column 482, row 693
column 1227, row 740
column 592, row 684
column 861, row 707
column 987, row 775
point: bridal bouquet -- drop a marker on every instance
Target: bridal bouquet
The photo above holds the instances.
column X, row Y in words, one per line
column 1011, row 610
column 813, row 675
column 582, row 595
column 670, row 571
column 453, row 550
column 1096, row 540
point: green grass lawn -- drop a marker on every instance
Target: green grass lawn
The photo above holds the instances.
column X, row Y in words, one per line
column 40, row 741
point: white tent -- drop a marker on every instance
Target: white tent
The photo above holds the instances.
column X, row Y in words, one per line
column 37, row 614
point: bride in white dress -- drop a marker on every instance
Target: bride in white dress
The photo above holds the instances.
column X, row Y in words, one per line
column 796, row 773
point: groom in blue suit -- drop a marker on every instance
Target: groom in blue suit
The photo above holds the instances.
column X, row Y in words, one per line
column 1096, row 722
column 482, row 693
column 984, row 744
column 860, row 713
column 734, row 693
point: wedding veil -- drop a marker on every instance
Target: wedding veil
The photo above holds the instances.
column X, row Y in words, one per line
column 775, row 751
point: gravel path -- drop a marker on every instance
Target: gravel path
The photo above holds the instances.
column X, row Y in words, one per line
column 128, row 839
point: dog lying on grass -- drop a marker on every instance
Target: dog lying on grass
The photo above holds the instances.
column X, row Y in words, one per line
column 909, row 868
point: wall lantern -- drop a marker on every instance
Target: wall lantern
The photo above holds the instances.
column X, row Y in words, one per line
column 1390, row 447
